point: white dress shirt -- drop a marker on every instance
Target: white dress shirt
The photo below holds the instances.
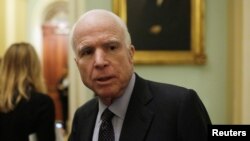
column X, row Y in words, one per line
column 119, row 108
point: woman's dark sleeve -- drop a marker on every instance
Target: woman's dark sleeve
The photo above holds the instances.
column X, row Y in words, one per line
column 46, row 121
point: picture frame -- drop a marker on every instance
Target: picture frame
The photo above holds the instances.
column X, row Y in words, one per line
column 174, row 48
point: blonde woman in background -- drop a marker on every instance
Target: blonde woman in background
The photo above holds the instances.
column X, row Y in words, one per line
column 24, row 108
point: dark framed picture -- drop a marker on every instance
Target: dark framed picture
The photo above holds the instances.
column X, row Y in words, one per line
column 164, row 31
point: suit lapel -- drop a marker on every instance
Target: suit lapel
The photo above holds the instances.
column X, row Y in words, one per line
column 138, row 117
column 89, row 123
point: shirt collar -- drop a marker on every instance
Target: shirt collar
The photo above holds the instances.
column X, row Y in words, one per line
column 120, row 105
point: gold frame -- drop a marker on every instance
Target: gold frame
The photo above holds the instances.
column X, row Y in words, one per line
column 194, row 56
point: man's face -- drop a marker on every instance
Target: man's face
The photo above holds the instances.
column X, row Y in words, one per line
column 103, row 58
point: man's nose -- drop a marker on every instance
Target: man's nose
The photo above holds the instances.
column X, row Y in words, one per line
column 100, row 59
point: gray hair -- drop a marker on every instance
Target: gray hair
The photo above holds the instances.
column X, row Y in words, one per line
column 118, row 20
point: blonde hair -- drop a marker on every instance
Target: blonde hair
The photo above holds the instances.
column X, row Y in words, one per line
column 20, row 70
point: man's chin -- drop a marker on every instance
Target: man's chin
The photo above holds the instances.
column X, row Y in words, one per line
column 107, row 100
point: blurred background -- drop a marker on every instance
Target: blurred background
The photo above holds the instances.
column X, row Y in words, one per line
column 223, row 82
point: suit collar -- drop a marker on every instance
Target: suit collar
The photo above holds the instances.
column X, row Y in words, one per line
column 119, row 105
column 138, row 118
column 142, row 91
column 89, row 124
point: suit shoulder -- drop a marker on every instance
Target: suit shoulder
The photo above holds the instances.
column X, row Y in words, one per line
column 165, row 87
column 89, row 106
column 169, row 91
column 161, row 90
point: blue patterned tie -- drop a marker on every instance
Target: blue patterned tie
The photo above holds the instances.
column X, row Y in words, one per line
column 106, row 132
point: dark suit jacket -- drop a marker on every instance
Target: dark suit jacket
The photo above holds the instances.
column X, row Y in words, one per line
column 156, row 112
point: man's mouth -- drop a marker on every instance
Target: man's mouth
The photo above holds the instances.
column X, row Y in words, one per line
column 104, row 80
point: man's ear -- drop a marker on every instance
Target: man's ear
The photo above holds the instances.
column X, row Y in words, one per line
column 131, row 51
column 76, row 61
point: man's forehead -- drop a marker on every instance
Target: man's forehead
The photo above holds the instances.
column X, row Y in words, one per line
column 91, row 25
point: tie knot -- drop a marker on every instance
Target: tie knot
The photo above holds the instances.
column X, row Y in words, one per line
column 107, row 115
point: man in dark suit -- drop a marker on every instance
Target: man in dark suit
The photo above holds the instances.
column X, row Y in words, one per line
column 143, row 110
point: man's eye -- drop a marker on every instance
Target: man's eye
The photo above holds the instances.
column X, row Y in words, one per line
column 112, row 47
column 86, row 52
